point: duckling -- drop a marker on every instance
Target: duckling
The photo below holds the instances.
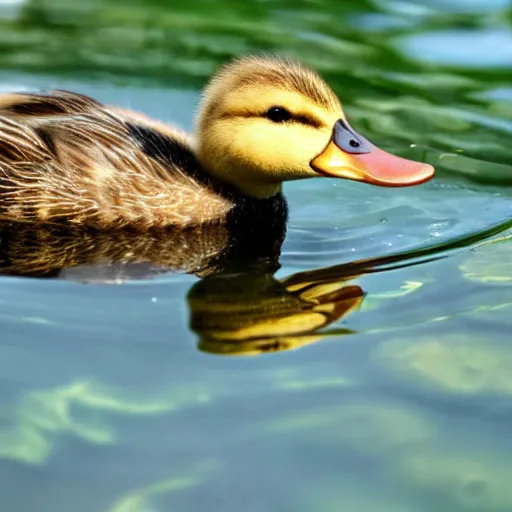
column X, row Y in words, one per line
column 65, row 158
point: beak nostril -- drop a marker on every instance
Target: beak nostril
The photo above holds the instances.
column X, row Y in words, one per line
column 349, row 141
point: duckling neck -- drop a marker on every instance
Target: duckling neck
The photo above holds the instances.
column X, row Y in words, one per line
column 256, row 190
column 242, row 180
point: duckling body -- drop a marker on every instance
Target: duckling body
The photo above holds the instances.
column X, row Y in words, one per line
column 66, row 158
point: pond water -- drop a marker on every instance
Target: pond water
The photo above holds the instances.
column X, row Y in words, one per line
column 126, row 388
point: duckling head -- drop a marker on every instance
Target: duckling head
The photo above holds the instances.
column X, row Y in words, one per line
column 265, row 120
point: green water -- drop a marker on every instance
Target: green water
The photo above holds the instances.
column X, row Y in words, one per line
column 112, row 399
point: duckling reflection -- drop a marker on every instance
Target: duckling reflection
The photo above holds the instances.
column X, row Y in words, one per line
column 122, row 255
column 254, row 313
column 238, row 306
column 251, row 314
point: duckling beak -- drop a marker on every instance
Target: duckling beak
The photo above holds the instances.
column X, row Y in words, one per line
column 349, row 155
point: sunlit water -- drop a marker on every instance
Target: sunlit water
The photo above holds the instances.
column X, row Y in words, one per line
column 109, row 404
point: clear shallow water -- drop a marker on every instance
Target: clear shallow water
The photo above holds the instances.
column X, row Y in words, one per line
column 113, row 398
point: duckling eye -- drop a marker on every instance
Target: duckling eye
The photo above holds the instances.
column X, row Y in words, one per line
column 278, row 114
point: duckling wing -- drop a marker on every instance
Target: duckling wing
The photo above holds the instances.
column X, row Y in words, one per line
column 55, row 103
column 66, row 158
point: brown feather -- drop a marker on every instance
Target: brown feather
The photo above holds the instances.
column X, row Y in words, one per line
column 66, row 157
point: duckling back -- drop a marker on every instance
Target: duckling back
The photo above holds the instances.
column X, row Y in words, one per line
column 65, row 158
